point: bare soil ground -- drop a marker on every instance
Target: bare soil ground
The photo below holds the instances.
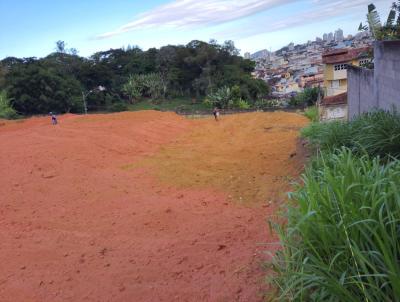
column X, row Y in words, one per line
column 143, row 206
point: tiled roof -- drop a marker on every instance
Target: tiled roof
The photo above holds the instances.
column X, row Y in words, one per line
column 344, row 55
column 335, row 99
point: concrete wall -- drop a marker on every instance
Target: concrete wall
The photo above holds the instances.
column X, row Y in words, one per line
column 333, row 112
column 378, row 88
column 360, row 91
column 387, row 74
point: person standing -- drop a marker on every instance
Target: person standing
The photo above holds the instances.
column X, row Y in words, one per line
column 216, row 113
column 53, row 118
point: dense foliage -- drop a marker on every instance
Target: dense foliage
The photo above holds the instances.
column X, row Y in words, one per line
column 308, row 97
column 6, row 111
column 375, row 134
column 390, row 30
column 59, row 81
column 342, row 240
column 227, row 98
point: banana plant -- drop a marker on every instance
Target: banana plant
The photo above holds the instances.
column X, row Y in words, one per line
column 390, row 30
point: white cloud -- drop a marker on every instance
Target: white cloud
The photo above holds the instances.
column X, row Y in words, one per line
column 191, row 13
column 320, row 10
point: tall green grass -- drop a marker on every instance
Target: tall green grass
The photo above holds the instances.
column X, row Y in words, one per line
column 312, row 113
column 342, row 237
column 376, row 134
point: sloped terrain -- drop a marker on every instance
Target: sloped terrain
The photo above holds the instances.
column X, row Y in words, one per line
column 143, row 206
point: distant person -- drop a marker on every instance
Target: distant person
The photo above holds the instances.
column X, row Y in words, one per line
column 53, row 118
column 216, row 113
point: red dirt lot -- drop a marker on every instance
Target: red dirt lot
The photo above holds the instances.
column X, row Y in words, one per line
column 143, row 206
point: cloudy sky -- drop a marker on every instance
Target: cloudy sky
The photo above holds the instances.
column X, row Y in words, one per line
column 31, row 28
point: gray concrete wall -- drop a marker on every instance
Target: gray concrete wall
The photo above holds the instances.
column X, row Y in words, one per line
column 360, row 94
column 387, row 74
column 378, row 88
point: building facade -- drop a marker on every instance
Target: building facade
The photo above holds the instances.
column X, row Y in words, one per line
column 335, row 68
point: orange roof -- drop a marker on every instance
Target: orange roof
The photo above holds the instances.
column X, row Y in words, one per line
column 335, row 99
column 344, row 55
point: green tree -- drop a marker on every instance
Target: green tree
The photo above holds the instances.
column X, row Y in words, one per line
column 35, row 88
column 389, row 30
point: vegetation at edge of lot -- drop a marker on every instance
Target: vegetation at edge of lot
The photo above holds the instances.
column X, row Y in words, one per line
column 58, row 82
column 6, row 111
column 312, row 113
column 342, row 241
column 174, row 104
column 376, row 134
column 308, row 97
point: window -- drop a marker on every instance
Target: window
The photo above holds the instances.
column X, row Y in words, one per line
column 363, row 62
column 335, row 84
column 340, row 67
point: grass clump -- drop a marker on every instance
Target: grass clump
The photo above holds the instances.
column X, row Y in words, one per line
column 342, row 238
column 375, row 134
column 312, row 113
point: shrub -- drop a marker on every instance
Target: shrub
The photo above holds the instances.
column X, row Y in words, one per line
column 342, row 241
column 222, row 98
column 6, row 111
column 312, row 113
column 241, row 104
column 226, row 97
column 308, row 97
column 266, row 104
column 118, row 107
column 376, row 134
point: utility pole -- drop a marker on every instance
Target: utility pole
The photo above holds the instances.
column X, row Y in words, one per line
column 84, row 102
column 85, row 95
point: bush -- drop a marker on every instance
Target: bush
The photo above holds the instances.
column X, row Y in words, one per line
column 312, row 113
column 118, row 107
column 376, row 134
column 342, row 241
column 241, row 104
column 6, row 111
column 308, row 97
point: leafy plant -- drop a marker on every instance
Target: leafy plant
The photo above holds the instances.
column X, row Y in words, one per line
column 376, row 134
column 390, row 30
column 307, row 98
column 222, row 98
column 312, row 113
column 241, row 104
column 6, row 110
column 342, row 241
column 226, row 97
column 140, row 85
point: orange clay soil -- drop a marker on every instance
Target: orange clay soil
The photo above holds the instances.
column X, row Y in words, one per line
column 143, row 206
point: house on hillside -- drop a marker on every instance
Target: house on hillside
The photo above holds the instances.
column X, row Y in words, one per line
column 336, row 63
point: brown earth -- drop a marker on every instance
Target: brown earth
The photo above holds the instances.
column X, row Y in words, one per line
column 144, row 206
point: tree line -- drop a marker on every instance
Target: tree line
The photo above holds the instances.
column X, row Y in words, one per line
column 63, row 81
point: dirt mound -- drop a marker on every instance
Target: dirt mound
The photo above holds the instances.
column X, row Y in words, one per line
column 135, row 206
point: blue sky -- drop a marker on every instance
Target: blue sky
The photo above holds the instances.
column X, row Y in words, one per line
column 31, row 28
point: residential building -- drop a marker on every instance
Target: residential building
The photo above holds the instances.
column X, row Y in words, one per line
column 336, row 63
column 335, row 67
